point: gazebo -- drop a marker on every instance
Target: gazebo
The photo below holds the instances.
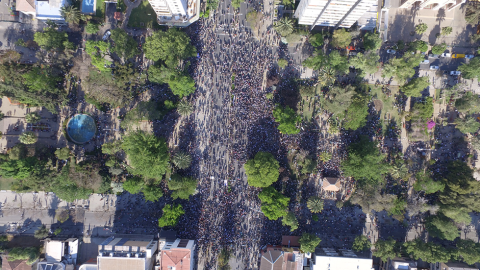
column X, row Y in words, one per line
column 331, row 184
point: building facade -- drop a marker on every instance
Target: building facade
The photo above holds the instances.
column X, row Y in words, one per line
column 133, row 253
column 176, row 12
column 177, row 255
column 343, row 259
column 333, row 13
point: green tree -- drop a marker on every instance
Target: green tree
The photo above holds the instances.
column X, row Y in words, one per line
column 422, row 110
column 308, row 242
column 111, row 148
column 274, row 204
column 442, row 227
column 367, row 63
column 398, row 208
column 170, row 46
column 71, row 14
column 365, row 163
column 152, row 193
column 147, row 154
column 468, row 103
column 341, row 38
column 447, row 30
column 427, row 184
column 262, row 170
column 415, row 87
column 468, row 251
column 326, row 76
column 361, row 243
column 17, row 152
column 338, row 99
column 470, row 70
column 287, row 119
column 316, row 61
column 282, row 63
column 30, row 254
column 62, row 215
column 421, row 28
column 372, row 42
column 62, row 153
column 284, row 26
column 41, row 232
column 386, row 249
column 289, row 219
column 472, row 14
column 134, row 185
column 182, row 160
column 50, row 38
column 402, row 68
column 428, row 252
column 92, row 28
column 184, row 108
column 182, row 187
column 316, row 40
column 357, row 113
column 28, row 137
column 467, row 125
column 338, row 62
column 419, row 45
column 439, row 48
column 182, row 85
column 32, row 117
column 125, row 46
column 38, row 80
column 237, row 3
column 171, row 215
column 315, row 204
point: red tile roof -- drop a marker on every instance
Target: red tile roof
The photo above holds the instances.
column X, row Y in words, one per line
column 178, row 258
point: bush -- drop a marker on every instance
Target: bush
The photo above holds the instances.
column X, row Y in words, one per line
column 439, row 49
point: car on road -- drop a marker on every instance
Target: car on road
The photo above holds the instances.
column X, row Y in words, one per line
column 106, row 35
column 446, row 55
column 426, row 61
column 455, row 73
column 391, row 51
column 469, row 56
column 434, row 67
column 458, row 55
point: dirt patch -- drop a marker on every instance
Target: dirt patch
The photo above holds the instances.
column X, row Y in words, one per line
column 378, row 105
column 23, row 241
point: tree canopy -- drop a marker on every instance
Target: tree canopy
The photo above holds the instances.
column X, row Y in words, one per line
column 341, row 38
column 30, row 254
column 402, row 68
column 287, row 119
column 134, row 185
column 367, row 63
column 179, row 82
column 152, row 193
column 415, row 87
column 147, row 154
column 442, row 227
column 308, row 242
column 262, row 170
column 361, row 243
column 182, row 186
column 169, row 46
column 386, row 249
column 171, row 215
column 467, row 125
column 357, row 113
column 274, row 204
column 315, row 204
column 468, row 103
column 316, row 40
column 428, row 252
column 50, row 38
column 468, row 251
column 426, row 183
column 289, row 219
column 470, row 70
column 124, row 45
column 372, row 42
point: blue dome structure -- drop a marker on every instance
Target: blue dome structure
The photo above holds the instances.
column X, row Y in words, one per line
column 81, row 128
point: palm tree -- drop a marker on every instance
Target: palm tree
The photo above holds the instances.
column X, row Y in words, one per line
column 28, row 138
column 32, row 117
column 284, row 26
column 184, row 108
column 472, row 15
column 399, row 171
column 326, row 76
column 315, row 204
column 41, row 233
column 71, row 14
column 182, row 160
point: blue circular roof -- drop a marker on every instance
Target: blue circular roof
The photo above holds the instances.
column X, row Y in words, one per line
column 81, row 128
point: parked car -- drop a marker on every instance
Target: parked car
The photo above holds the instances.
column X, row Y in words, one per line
column 391, row 51
column 426, row 61
column 455, row 73
column 434, row 67
column 458, row 55
column 469, row 56
column 106, row 35
column 446, row 55
column 434, row 56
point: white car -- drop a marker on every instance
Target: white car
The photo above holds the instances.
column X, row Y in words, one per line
column 434, row 67
column 446, row 55
column 469, row 56
column 455, row 73
column 426, row 61
column 106, row 35
column 391, row 51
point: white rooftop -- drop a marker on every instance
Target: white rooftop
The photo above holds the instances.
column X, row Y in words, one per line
column 49, row 9
column 342, row 263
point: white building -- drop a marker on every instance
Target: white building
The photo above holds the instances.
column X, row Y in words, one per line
column 132, row 253
column 331, row 259
column 176, row 12
column 334, row 13
column 177, row 255
column 432, row 4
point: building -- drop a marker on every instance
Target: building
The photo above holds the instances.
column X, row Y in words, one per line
column 281, row 258
column 432, row 4
column 42, row 10
column 177, row 255
column 63, row 250
column 452, row 266
column 132, row 252
column 176, row 12
column 334, row 13
column 343, row 259
column 399, row 264
column 331, row 184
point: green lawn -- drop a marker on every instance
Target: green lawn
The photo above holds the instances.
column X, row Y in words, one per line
column 100, row 9
column 388, row 110
column 308, row 108
column 143, row 16
column 6, row 183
